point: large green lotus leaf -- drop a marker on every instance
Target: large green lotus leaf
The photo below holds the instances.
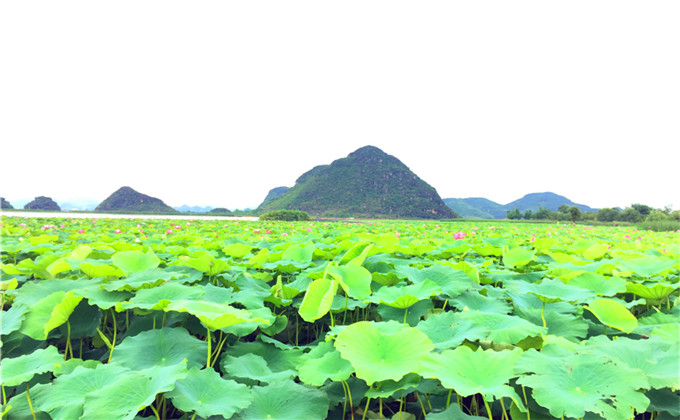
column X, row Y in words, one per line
column 126, row 396
column 669, row 333
column 501, row 328
column 475, row 301
column 299, row 254
column 578, row 383
column 598, row 283
column 12, row 318
column 664, row 400
column 518, row 257
column 160, row 348
column 649, row 323
column 207, row 394
column 412, row 314
column 385, row 389
column 356, row 255
column 318, row 299
column 33, row 291
column 135, row 261
column 322, row 363
column 205, row 263
column 569, row 326
column 596, row 251
column 405, row 296
column 277, row 359
column 64, row 398
column 613, row 314
column 553, row 290
column 48, row 313
column 99, row 297
column 471, row 372
column 657, row 359
column 286, row 266
column 649, row 266
column 652, row 291
column 100, row 270
column 446, row 330
column 214, row 315
column 252, row 366
column 451, row 281
column 21, row 369
column 286, row 400
column 68, row 366
column 160, row 297
column 237, row 250
column 377, row 356
column 354, row 279
column 152, row 278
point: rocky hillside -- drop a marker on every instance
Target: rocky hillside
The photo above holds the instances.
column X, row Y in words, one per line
column 367, row 183
column 126, row 199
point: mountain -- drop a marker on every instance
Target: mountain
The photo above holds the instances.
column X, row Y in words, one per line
column 482, row 208
column 548, row 200
column 476, row 208
column 366, row 183
column 42, row 203
column 128, row 200
column 81, row 205
column 193, row 209
column 4, row 204
column 273, row 193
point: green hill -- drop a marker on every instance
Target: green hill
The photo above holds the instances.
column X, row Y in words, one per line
column 548, row 200
column 42, row 203
column 273, row 193
column 126, row 199
column 367, row 183
column 482, row 208
column 4, row 204
column 476, row 208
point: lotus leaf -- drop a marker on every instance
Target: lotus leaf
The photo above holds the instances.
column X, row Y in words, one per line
column 135, row 261
column 285, row 401
column 21, row 369
column 204, row 392
column 377, row 356
column 470, row 372
column 613, row 314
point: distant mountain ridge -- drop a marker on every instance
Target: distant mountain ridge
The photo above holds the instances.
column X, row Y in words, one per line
column 367, row 183
column 193, row 209
column 482, row 208
column 128, row 200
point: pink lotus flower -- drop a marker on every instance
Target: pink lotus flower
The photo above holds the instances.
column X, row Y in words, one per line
column 256, row 230
column 268, row 231
column 284, row 234
column 81, row 230
column 459, row 235
column 169, row 231
column 178, row 227
column 22, row 224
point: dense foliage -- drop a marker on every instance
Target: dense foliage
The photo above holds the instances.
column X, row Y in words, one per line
column 367, row 183
column 286, row 215
column 125, row 199
column 308, row 320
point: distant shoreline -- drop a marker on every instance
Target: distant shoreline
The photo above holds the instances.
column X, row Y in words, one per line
column 81, row 215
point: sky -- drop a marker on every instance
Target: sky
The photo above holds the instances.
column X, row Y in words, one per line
column 214, row 103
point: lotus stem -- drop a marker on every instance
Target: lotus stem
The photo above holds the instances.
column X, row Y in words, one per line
column 368, row 400
column 505, row 415
column 68, row 341
column 207, row 364
column 155, row 412
column 488, row 409
column 545, row 325
column 405, row 314
column 115, row 330
column 422, row 407
column 526, row 402
column 448, row 398
column 349, row 394
column 28, row 398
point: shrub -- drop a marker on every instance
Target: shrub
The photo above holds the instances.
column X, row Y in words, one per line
column 286, row 215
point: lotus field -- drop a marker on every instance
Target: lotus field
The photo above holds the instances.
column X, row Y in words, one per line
column 163, row 319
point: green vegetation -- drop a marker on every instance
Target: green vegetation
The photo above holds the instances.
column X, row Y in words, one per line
column 286, row 215
column 42, row 203
column 369, row 184
column 273, row 193
column 170, row 319
column 482, row 208
column 222, row 211
column 125, row 199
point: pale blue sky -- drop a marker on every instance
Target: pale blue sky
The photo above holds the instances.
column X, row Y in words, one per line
column 215, row 103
